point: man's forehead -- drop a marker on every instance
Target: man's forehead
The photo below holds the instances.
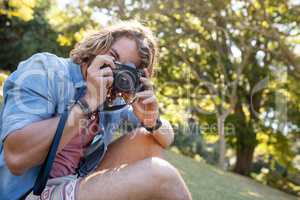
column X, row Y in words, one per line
column 126, row 51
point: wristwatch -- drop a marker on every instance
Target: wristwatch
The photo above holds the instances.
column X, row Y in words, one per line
column 84, row 107
column 154, row 128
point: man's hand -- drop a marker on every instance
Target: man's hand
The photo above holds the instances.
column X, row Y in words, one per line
column 146, row 106
column 99, row 80
column 146, row 110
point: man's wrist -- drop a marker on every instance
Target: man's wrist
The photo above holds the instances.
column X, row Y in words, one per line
column 82, row 103
column 147, row 123
column 76, row 109
column 91, row 102
column 76, row 115
column 153, row 127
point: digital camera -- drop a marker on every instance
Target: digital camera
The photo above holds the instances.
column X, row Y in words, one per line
column 127, row 78
column 126, row 81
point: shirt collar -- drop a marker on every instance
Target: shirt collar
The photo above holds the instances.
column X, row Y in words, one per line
column 76, row 75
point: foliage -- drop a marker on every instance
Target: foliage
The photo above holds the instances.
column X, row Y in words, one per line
column 3, row 77
column 24, row 35
column 231, row 60
column 45, row 29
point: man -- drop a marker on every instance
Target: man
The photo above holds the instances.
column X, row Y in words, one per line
column 35, row 95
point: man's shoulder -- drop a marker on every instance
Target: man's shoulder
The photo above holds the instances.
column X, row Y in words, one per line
column 44, row 61
column 42, row 66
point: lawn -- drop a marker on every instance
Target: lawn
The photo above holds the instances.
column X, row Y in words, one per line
column 207, row 182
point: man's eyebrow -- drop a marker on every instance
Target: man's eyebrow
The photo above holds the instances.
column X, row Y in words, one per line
column 116, row 53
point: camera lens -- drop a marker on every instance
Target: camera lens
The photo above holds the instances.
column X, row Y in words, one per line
column 125, row 81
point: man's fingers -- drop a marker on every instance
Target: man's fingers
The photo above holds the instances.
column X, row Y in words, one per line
column 106, row 63
column 105, row 72
column 147, row 73
column 147, row 83
column 144, row 94
column 151, row 99
column 108, row 80
column 102, row 73
column 101, row 60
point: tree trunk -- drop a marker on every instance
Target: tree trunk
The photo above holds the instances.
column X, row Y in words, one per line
column 246, row 142
column 222, row 143
column 244, row 160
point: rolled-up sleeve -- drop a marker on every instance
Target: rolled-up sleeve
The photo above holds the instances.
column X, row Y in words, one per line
column 27, row 96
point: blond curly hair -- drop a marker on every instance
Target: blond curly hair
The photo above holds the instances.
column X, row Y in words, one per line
column 101, row 41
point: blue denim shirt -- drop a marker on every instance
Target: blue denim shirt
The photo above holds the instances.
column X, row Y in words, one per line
column 40, row 88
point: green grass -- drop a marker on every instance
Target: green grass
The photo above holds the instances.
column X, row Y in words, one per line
column 207, row 182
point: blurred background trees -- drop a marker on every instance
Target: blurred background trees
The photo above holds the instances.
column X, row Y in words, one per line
column 227, row 77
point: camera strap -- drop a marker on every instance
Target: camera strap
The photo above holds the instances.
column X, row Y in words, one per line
column 114, row 108
column 43, row 175
column 45, row 169
column 107, row 107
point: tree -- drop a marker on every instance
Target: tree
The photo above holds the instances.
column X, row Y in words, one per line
column 224, row 44
column 219, row 59
column 24, row 35
column 43, row 27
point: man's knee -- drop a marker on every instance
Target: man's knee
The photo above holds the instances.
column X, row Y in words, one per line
column 167, row 182
column 161, row 170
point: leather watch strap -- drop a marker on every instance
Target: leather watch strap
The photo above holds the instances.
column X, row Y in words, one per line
column 154, row 128
column 84, row 106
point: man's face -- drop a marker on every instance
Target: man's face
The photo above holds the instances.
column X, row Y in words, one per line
column 125, row 51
